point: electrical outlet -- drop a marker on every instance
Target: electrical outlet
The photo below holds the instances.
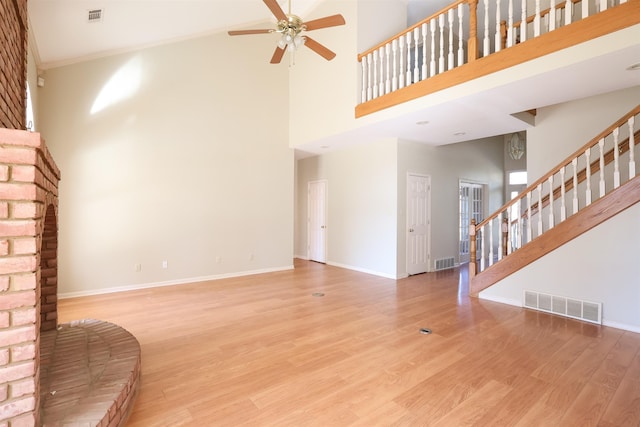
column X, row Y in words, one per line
column 218, row 259
column 138, row 267
column 250, row 257
column 165, row 264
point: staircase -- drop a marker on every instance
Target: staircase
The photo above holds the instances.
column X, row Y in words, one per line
column 593, row 184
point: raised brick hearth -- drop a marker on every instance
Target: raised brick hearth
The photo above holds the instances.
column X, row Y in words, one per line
column 29, row 312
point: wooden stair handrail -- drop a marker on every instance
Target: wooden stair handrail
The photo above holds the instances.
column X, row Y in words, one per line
column 562, row 164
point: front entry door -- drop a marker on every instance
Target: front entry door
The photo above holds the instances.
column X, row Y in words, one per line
column 317, row 221
column 418, row 223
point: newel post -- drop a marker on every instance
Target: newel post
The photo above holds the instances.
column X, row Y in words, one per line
column 472, row 249
column 472, row 44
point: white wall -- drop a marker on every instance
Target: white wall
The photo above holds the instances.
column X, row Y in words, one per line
column 323, row 95
column 171, row 153
column 608, row 250
column 478, row 161
column 362, row 206
column 563, row 128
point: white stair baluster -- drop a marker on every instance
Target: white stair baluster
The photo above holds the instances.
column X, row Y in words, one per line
column 574, row 163
column 603, row 5
column 363, row 96
column 375, row 74
column 387, row 83
column 632, row 161
column 460, row 35
column 416, row 67
column 509, row 232
column 394, row 80
column 563, row 206
column 587, row 198
column 498, row 35
column 537, row 20
column 382, row 80
column 539, row 209
column 369, row 81
column 451, row 57
column 616, row 159
column 482, row 248
column 510, row 25
column 523, row 21
column 441, row 57
column 490, row 243
column 585, row 8
column 552, row 15
column 401, row 65
column 518, row 224
column 424, row 51
column 529, row 219
column 487, row 45
column 551, row 214
column 432, row 65
column 602, row 185
column 500, row 234
column 568, row 12
column 408, row 80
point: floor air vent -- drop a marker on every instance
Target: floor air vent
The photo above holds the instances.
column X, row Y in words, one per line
column 567, row 307
column 445, row 263
column 94, row 15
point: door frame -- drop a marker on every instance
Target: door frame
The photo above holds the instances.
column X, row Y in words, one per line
column 428, row 212
column 325, row 214
column 485, row 205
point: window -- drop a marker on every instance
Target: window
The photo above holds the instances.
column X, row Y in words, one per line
column 517, row 178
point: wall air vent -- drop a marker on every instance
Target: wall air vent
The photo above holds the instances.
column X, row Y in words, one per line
column 562, row 306
column 95, row 15
column 445, row 263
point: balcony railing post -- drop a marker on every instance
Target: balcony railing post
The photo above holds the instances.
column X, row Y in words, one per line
column 473, row 30
column 472, row 249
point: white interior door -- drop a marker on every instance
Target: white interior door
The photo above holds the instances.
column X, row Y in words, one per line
column 317, row 221
column 418, row 223
column 471, row 207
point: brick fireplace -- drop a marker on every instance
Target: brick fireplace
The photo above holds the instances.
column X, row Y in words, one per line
column 28, row 269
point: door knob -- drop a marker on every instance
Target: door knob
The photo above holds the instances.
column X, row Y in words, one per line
column 411, row 230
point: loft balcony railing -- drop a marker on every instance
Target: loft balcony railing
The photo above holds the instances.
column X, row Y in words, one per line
column 469, row 32
column 604, row 165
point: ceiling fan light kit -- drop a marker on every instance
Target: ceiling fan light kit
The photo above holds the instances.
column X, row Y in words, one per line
column 290, row 28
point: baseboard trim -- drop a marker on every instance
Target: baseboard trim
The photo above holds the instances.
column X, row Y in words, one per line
column 623, row 326
column 362, row 270
column 184, row 281
column 508, row 301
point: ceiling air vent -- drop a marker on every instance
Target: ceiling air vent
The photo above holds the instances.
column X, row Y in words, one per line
column 94, row 15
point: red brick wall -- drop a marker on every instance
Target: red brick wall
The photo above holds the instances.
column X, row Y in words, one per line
column 28, row 252
column 13, row 63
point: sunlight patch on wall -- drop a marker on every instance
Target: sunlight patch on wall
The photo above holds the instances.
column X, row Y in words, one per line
column 122, row 85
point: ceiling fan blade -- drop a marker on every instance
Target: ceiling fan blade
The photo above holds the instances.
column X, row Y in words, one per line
column 278, row 54
column 327, row 21
column 244, row 32
column 276, row 9
column 319, row 49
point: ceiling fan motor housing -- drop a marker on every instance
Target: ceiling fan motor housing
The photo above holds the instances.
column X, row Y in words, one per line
column 292, row 26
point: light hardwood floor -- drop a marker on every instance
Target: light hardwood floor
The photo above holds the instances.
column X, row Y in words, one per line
column 262, row 351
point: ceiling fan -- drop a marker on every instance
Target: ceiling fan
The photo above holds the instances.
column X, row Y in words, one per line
column 291, row 27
